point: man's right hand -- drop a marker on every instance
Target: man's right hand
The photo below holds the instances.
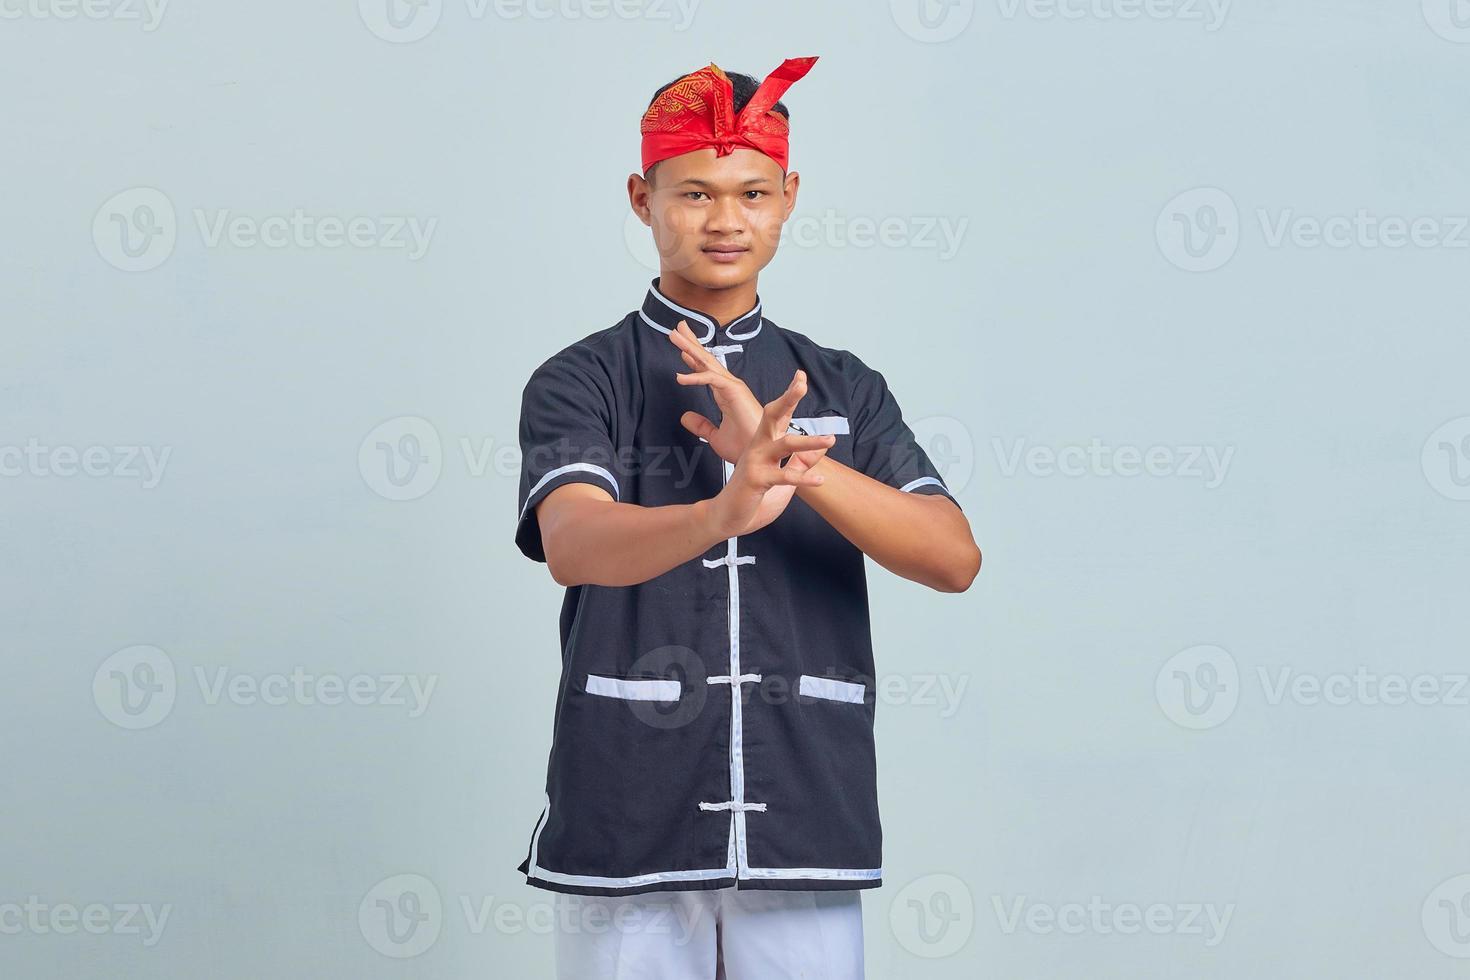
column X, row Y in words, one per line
column 759, row 467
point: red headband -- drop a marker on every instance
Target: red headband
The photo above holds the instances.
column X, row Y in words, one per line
column 698, row 111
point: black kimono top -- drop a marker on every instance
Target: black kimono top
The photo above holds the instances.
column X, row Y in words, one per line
column 714, row 725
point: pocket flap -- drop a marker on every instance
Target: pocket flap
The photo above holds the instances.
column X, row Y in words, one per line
column 821, row 425
column 633, row 690
column 832, row 690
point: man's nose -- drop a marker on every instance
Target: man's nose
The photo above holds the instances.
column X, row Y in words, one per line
column 726, row 217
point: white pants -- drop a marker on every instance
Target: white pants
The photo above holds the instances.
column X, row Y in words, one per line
column 716, row 934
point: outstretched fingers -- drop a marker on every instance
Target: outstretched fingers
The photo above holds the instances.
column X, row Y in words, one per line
column 698, row 424
column 791, row 476
column 700, row 378
column 793, row 443
column 778, row 412
column 694, row 353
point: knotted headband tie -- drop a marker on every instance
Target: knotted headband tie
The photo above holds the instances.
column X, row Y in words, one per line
column 698, row 111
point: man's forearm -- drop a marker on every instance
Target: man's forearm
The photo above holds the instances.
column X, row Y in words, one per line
column 601, row 542
column 921, row 537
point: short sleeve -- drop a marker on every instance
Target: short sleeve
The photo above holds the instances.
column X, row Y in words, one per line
column 566, row 437
column 884, row 447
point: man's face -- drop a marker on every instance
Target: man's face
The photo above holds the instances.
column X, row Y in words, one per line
column 716, row 220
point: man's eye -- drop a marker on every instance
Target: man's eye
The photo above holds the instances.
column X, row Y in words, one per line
column 757, row 193
column 691, row 194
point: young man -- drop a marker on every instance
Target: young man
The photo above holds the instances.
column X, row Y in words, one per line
column 705, row 484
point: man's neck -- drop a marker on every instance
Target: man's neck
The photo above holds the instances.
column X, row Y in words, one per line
column 724, row 305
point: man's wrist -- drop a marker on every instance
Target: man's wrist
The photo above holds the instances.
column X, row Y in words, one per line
column 822, row 468
column 708, row 522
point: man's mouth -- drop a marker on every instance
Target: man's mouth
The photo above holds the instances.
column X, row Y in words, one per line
column 725, row 253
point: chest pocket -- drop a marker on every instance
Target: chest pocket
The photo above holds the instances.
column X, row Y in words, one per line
column 826, row 422
column 822, row 425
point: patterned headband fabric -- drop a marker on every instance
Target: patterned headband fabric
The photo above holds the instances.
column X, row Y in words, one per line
column 698, row 111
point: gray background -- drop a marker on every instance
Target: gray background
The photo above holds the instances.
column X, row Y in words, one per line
column 1120, row 733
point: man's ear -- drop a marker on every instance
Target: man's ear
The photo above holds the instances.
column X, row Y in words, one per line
column 788, row 191
column 638, row 191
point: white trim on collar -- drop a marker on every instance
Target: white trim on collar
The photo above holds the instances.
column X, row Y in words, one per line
column 751, row 333
column 709, row 324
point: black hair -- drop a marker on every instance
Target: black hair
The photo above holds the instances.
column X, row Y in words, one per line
column 743, row 86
